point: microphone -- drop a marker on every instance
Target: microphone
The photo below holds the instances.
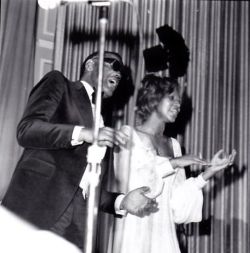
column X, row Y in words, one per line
column 51, row 4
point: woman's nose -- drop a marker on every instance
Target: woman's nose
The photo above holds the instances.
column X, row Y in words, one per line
column 177, row 103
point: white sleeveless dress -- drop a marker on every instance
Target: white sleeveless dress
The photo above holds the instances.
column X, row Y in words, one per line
column 179, row 199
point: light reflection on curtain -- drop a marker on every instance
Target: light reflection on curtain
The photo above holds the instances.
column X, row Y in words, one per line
column 16, row 77
column 216, row 87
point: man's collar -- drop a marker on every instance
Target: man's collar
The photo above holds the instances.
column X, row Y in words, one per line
column 88, row 87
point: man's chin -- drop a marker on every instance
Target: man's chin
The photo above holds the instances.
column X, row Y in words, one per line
column 107, row 94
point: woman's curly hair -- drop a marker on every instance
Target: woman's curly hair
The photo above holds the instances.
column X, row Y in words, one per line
column 153, row 89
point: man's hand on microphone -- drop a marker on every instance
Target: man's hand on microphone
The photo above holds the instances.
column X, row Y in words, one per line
column 107, row 136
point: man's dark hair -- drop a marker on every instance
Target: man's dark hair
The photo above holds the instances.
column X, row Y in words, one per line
column 107, row 54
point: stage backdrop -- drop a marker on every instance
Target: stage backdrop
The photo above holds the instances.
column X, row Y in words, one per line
column 217, row 93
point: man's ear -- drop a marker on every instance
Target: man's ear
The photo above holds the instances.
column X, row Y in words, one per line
column 89, row 65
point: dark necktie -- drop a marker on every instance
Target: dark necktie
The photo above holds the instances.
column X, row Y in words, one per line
column 93, row 97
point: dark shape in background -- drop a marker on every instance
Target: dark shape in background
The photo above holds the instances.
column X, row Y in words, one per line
column 172, row 53
column 156, row 58
column 77, row 36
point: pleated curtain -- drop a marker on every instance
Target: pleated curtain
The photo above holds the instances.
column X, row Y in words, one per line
column 18, row 24
column 216, row 88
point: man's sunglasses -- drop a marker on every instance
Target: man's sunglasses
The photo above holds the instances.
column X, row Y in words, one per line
column 115, row 64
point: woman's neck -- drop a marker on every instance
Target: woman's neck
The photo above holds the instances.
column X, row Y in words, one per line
column 152, row 127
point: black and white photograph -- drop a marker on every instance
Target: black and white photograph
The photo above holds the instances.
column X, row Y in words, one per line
column 125, row 126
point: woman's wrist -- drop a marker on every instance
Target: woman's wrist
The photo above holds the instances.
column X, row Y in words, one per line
column 207, row 174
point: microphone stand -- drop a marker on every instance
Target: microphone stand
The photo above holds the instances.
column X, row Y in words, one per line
column 93, row 160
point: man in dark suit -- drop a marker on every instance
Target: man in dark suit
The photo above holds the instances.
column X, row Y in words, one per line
column 56, row 131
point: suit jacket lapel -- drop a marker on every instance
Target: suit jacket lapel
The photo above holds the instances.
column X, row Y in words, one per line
column 83, row 104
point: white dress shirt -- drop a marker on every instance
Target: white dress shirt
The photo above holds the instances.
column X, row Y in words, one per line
column 84, row 183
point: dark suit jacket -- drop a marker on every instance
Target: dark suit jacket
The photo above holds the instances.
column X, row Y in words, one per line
column 50, row 168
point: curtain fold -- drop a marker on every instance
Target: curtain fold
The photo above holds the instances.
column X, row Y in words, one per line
column 216, row 89
column 18, row 23
column 218, row 84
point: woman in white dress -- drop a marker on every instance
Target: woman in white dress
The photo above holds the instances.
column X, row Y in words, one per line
column 155, row 161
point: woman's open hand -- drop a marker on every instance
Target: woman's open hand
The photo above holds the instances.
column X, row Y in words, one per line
column 220, row 161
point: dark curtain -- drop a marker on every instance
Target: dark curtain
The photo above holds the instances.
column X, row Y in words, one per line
column 18, row 24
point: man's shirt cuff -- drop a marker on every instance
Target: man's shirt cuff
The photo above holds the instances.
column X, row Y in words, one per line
column 75, row 136
column 118, row 202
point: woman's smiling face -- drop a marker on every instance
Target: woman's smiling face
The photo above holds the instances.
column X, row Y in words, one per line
column 169, row 107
